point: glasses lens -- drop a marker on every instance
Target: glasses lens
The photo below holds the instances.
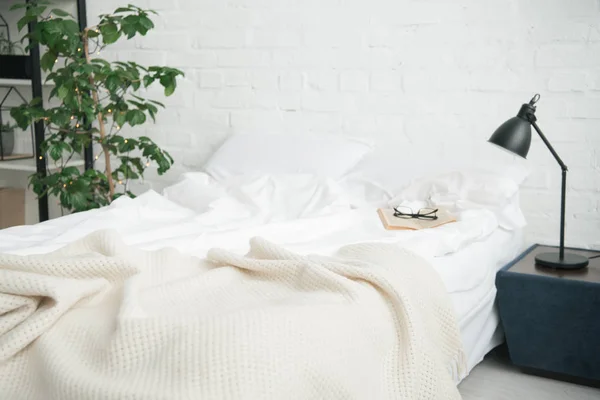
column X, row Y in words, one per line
column 427, row 213
column 403, row 212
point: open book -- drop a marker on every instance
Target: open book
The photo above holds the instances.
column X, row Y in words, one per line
column 390, row 222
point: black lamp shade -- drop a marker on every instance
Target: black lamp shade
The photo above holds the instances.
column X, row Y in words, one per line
column 514, row 135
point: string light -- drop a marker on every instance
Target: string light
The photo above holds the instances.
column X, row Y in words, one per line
column 55, row 61
column 79, row 49
column 109, row 110
column 147, row 164
column 96, row 157
column 120, row 182
column 41, row 158
column 65, row 185
column 125, row 140
column 70, row 183
column 77, row 126
column 72, row 117
column 118, row 127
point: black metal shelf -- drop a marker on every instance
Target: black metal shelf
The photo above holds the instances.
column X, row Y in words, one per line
column 39, row 131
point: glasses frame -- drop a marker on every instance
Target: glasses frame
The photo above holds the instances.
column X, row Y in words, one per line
column 428, row 214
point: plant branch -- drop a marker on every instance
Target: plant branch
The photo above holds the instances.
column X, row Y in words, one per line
column 67, row 130
column 102, row 128
column 68, row 159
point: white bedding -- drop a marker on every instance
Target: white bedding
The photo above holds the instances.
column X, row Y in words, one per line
column 373, row 322
column 302, row 214
column 474, row 303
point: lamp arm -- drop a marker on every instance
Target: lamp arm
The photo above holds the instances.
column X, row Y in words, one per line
column 563, row 195
column 547, row 143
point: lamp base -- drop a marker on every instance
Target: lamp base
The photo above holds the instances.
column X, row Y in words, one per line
column 569, row 261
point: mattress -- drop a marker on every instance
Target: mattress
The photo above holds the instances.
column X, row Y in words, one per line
column 474, row 301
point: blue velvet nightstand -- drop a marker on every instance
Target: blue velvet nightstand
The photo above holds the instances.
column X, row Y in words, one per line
column 551, row 318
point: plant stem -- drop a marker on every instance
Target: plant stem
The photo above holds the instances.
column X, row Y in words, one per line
column 68, row 159
column 67, row 130
column 111, row 185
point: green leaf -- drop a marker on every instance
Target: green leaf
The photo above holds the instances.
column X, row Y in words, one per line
column 61, row 117
column 139, row 105
column 55, row 152
column 78, row 200
column 60, row 13
column 168, row 157
column 137, row 163
column 169, row 90
column 70, row 26
column 146, row 22
column 71, row 171
column 138, row 97
column 35, row 11
column 51, row 26
column 129, row 25
column 63, row 92
column 136, row 117
column 24, row 21
column 48, row 60
column 112, row 83
column 66, row 147
column 158, row 103
column 18, row 6
column 120, row 118
column 110, row 32
column 148, row 80
column 101, row 61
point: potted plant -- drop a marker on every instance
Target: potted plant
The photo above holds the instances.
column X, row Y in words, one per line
column 7, row 140
column 13, row 64
column 96, row 100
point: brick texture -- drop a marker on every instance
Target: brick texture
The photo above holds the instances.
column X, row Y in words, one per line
column 436, row 73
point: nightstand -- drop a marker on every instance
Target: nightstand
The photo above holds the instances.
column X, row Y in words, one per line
column 551, row 318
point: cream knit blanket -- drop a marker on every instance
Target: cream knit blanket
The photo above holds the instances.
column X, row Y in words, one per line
column 100, row 320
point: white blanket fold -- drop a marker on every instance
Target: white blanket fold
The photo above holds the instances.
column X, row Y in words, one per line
column 101, row 320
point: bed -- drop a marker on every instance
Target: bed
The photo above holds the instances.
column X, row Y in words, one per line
column 307, row 213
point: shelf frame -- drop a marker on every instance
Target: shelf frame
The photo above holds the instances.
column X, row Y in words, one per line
column 37, row 85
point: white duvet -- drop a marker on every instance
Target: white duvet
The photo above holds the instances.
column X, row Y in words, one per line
column 302, row 213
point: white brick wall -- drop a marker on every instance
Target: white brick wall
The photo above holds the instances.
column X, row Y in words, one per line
column 441, row 73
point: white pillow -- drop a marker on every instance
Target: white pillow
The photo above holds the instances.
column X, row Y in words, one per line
column 264, row 197
column 194, row 190
column 283, row 197
column 468, row 189
column 322, row 155
column 393, row 166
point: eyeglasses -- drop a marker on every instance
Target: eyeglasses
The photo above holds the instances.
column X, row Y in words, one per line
column 423, row 213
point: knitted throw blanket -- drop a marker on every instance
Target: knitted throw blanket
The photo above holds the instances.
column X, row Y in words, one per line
column 101, row 320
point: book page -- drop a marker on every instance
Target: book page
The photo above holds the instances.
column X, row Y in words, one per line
column 392, row 222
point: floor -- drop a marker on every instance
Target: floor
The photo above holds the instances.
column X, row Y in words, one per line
column 496, row 379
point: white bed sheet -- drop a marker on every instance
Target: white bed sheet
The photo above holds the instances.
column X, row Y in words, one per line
column 466, row 253
column 475, row 304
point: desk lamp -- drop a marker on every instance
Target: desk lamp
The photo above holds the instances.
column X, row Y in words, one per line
column 515, row 136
